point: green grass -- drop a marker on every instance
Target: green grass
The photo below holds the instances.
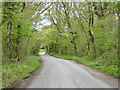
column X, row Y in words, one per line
column 111, row 69
column 17, row 71
column 42, row 51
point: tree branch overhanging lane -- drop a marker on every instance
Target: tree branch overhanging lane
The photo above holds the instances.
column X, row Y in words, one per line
column 85, row 32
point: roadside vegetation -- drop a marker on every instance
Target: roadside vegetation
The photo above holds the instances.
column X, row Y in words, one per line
column 82, row 31
column 111, row 69
column 18, row 71
column 42, row 51
column 86, row 32
column 20, row 40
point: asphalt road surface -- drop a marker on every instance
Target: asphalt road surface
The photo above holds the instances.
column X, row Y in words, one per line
column 60, row 73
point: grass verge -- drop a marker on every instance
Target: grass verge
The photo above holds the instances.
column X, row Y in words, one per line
column 18, row 71
column 111, row 69
column 42, row 51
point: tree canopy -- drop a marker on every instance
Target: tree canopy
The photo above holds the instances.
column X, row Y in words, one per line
column 83, row 29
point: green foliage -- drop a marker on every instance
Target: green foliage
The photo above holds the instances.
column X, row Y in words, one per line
column 76, row 31
column 111, row 69
column 21, row 39
column 41, row 51
column 17, row 71
column 81, row 31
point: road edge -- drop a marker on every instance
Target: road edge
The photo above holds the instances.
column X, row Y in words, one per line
column 89, row 69
column 25, row 81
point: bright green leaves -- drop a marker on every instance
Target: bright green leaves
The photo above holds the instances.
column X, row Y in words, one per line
column 21, row 32
column 97, row 40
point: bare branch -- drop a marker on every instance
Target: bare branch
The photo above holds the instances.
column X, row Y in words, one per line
column 38, row 14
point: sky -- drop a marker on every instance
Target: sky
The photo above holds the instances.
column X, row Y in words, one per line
column 42, row 23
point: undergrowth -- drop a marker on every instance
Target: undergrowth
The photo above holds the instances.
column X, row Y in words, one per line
column 17, row 71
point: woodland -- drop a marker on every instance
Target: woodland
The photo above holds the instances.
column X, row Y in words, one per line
column 82, row 31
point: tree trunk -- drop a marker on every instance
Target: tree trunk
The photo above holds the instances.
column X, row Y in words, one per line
column 17, row 43
column 88, row 42
column 91, row 21
column 75, row 47
column 9, row 30
column 26, row 49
